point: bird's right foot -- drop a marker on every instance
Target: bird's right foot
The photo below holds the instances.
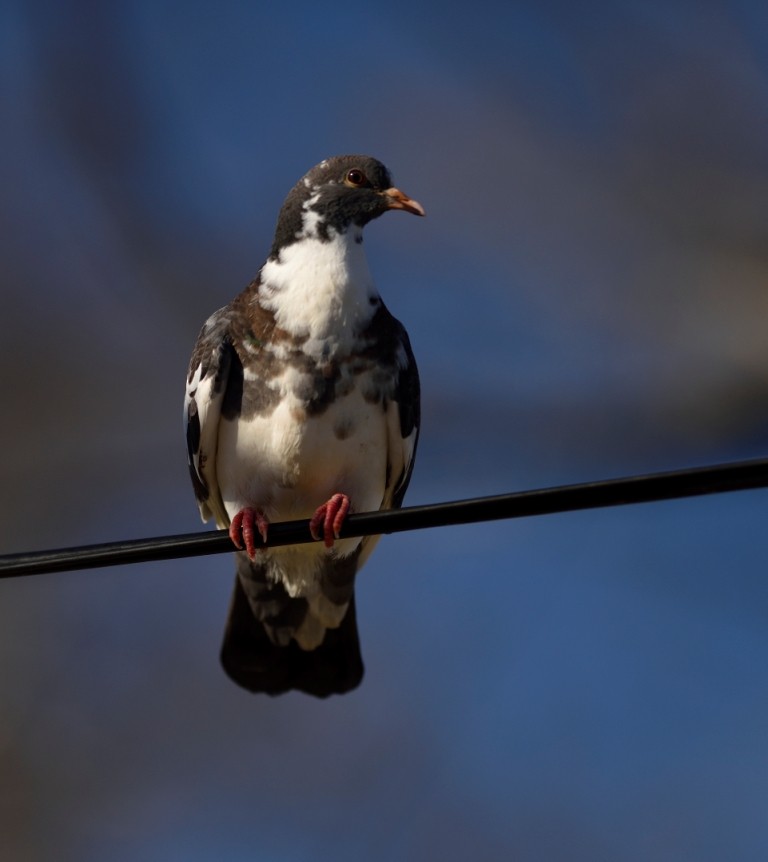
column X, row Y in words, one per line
column 246, row 523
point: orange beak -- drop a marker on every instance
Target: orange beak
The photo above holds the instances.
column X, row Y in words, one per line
column 397, row 200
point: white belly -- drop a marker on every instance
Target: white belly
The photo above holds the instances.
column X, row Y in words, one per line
column 287, row 464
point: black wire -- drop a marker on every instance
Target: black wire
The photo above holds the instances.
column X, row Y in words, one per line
column 739, row 476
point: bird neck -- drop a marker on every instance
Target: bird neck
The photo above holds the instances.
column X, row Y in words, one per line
column 321, row 289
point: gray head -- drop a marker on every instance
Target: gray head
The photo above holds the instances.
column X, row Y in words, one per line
column 336, row 194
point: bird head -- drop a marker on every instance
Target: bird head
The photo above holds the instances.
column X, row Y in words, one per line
column 339, row 193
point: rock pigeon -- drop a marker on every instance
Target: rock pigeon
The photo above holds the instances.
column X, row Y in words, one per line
column 302, row 401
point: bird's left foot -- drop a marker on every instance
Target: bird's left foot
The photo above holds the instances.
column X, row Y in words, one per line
column 327, row 520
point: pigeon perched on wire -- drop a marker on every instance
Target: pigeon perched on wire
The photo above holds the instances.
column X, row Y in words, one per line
column 302, row 401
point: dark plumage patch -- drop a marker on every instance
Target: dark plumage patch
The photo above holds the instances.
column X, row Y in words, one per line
column 257, row 398
column 201, row 491
column 408, row 392
column 268, row 598
column 207, row 353
column 339, row 205
column 343, row 428
column 193, row 429
column 386, row 336
column 316, row 388
column 193, row 447
column 231, row 405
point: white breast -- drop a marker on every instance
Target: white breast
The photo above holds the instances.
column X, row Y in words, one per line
column 320, row 289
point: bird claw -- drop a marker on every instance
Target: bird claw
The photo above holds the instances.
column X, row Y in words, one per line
column 327, row 520
column 243, row 527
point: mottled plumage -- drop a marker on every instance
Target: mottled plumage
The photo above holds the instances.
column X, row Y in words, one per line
column 303, row 397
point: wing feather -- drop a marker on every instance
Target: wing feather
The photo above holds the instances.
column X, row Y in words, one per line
column 403, row 424
column 403, row 420
column 206, row 387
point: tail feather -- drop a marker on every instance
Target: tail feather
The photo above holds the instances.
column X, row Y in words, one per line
column 254, row 662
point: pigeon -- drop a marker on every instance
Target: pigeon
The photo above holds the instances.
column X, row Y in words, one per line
column 302, row 402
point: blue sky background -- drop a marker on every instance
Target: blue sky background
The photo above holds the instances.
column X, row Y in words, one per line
column 587, row 298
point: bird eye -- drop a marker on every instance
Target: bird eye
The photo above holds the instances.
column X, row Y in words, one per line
column 355, row 177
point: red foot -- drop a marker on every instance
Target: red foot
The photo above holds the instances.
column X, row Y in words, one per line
column 331, row 516
column 242, row 529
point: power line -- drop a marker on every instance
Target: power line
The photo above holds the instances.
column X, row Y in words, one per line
column 738, row 476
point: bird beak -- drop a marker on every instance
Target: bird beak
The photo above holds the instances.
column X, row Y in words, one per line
column 397, row 200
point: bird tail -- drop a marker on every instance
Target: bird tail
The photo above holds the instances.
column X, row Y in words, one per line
column 255, row 662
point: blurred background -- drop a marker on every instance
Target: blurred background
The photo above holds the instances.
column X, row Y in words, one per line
column 587, row 298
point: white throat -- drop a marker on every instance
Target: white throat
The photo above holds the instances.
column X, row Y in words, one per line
column 322, row 290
